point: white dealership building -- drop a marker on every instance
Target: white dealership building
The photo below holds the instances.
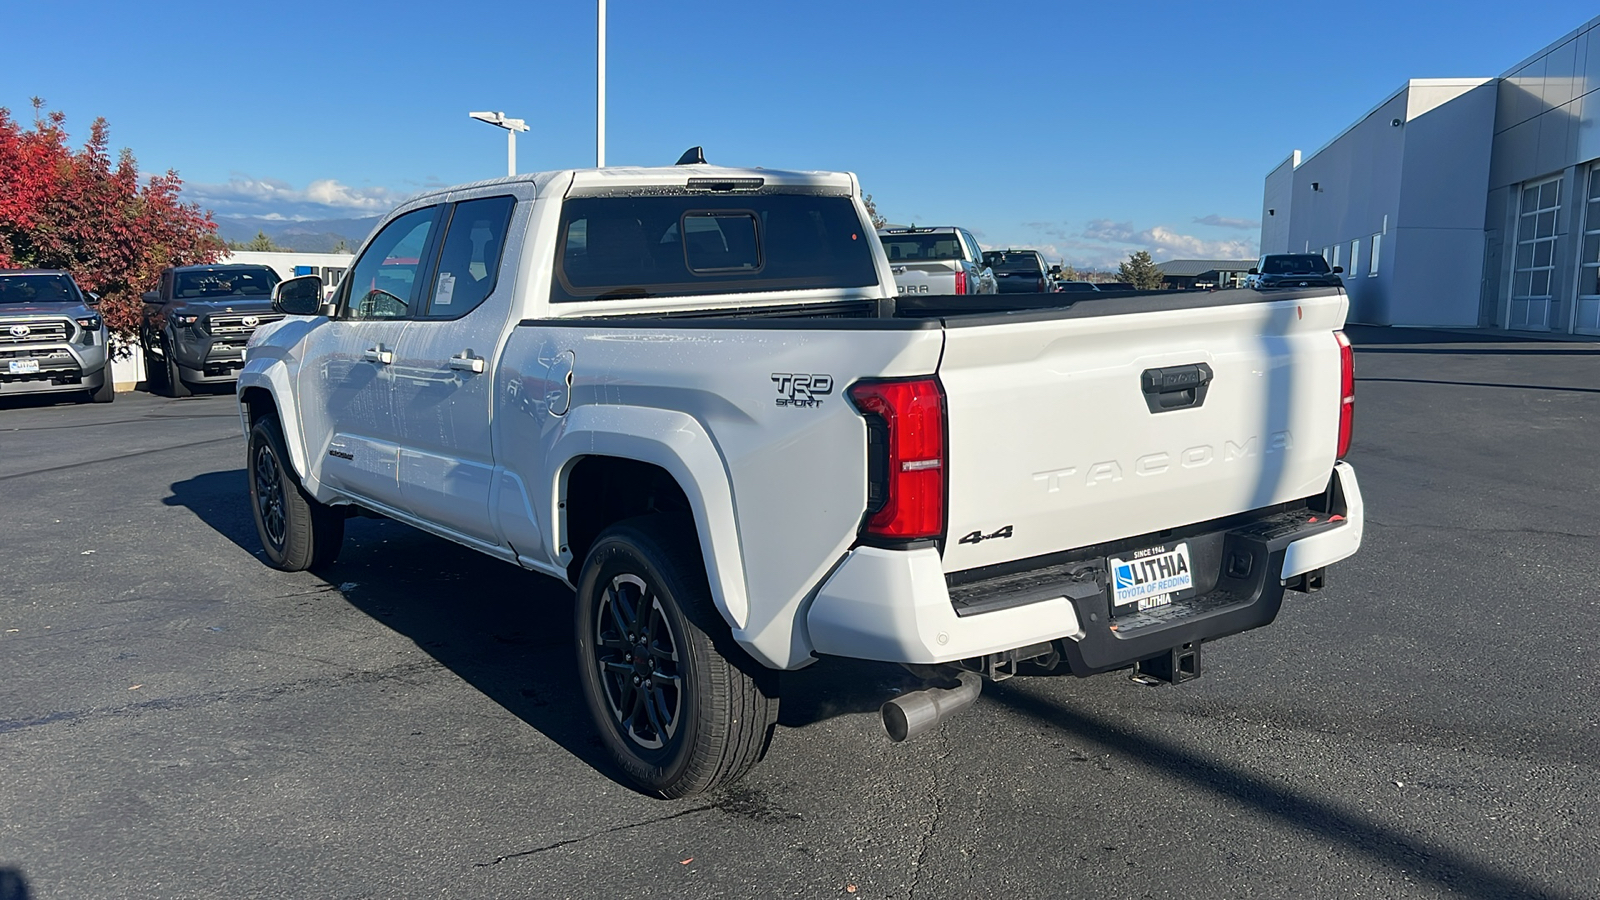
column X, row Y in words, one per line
column 1470, row 202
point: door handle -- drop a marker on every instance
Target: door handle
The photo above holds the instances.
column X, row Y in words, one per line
column 1175, row 387
column 466, row 362
column 378, row 355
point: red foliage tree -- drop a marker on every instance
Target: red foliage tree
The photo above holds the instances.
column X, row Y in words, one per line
column 61, row 209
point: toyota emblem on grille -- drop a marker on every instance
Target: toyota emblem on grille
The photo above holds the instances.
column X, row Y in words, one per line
column 20, row 331
column 250, row 321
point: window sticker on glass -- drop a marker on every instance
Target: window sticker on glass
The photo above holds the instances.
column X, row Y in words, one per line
column 446, row 289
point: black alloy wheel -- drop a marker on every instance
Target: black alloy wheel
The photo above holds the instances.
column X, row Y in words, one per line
column 296, row 531
column 637, row 657
column 679, row 705
column 268, row 493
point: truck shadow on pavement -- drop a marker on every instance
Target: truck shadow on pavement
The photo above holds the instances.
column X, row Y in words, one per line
column 12, row 885
column 505, row 631
column 1300, row 810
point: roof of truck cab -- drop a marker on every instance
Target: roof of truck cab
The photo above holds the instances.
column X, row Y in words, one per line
column 621, row 177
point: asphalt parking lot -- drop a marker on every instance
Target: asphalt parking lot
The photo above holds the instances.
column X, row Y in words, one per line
column 178, row 720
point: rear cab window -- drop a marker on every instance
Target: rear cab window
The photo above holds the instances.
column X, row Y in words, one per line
column 921, row 247
column 626, row 247
column 1294, row 264
column 1017, row 262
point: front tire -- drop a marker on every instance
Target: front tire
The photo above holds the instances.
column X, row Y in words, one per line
column 680, row 707
column 107, row 392
column 174, row 384
column 296, row 531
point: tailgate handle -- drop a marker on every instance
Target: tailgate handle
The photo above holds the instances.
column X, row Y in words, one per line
column 1175, row 387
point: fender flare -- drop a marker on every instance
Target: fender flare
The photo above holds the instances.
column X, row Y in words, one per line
column 675, row 442
column 272, row 375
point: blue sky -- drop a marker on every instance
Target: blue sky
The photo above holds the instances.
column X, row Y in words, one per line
column 1087, row 129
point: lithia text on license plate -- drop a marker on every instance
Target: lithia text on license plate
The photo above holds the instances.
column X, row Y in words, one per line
column 1149, row 578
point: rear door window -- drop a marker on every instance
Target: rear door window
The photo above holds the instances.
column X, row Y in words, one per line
column 469, row 261
column 689, row 244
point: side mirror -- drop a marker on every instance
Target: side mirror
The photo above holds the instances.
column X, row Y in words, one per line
column 151, row 296
column 1055, row 270
column 1338, row 269
column 298, row 296
column 1254, row 271
column 91, row 300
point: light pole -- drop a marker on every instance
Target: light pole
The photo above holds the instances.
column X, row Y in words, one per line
column 600, row 85
column 512, row 126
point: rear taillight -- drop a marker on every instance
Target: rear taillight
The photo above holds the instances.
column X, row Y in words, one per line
column 1041, row 285
column 1347, row 392
column 961, row 282
column 905, row 457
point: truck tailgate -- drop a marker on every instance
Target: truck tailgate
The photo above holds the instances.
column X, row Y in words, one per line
column 933, row 277
column 1055, row 443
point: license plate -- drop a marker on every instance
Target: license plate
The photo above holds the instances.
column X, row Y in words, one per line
column 1149, row 578
column 24, row 366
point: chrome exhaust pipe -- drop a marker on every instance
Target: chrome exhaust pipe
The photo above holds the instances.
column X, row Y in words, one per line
column 909, row 715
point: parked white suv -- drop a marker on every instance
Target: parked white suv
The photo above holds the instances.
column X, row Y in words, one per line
column 694, row 395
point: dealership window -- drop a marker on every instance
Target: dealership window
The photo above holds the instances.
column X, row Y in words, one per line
column 1355, row 256
column 1587, row 319
column 1534, row 269
column 1336, row 249
column 1372, row 264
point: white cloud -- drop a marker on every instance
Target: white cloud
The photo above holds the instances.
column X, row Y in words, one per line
column 1227, row 222
column 1104, row 243
column 271, row 198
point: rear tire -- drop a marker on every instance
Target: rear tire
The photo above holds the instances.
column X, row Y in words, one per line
column 296, row 531
column 680, row 707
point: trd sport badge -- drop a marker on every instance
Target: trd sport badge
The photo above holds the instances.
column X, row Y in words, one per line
column 804, row 391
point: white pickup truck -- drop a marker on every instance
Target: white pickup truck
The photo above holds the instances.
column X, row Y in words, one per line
column 692, row 394
column 937, row 261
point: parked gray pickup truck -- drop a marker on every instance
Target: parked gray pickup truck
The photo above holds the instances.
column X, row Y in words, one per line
column 197, row 324
column 52, row 340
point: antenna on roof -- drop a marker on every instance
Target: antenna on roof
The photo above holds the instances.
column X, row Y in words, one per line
column 694, row 156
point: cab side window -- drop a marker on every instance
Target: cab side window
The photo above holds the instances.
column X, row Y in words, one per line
column 470, row 259
column 974, row 251
column 383, row 282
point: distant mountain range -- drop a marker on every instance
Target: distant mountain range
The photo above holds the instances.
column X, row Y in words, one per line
column 312, row 236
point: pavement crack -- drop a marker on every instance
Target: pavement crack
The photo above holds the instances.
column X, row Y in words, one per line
column 265, row 692
column 926, row 840
column 592, row 835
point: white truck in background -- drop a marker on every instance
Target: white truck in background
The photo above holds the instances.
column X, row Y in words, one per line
column 936, row 261
column 695, row 395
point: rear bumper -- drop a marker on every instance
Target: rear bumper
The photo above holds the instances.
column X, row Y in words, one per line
column 897, row 606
